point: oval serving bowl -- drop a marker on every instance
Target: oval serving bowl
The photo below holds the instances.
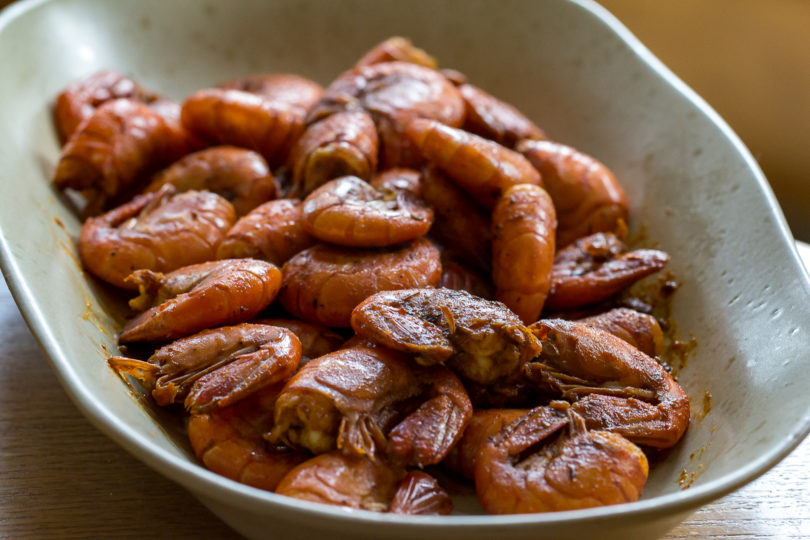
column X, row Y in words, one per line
column 569, row 66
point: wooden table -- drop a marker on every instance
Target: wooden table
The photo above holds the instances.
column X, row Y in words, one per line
column 60, row 477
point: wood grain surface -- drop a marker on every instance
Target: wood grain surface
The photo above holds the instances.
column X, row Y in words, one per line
column 62, row 478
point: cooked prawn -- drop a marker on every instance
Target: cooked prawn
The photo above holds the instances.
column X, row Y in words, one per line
column 399, row 179
column 292, row 90
column 397, row 49
column 350, row 212
column 159, row 231
column 459, row 277
column 640, row 330
column 491, row 118
column 420, row 494
column 316, row 340
column 217, row 367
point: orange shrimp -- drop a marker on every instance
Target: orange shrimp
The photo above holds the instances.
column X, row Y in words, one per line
column 587, row 196
column 79, row 100
column 199, row 296
column 491, row 118
column 372, row 402
column 217, row 367
column 399, row 179
column 120, row 144
column 316, row 340
column 480, row 340
column 397, row 49
column 523, row 227
column 595, row 268
column 240, row 176
column 342, row 144
column 350, row 212
column 273, row 231
column 230, row 441
column 245, row 120
column 292, row 90
column 460, row 278
column 324, row 283
column 613, row 385
column 562, row 471
column 420, row 494
column 638, row 329
column 394, row 93
column 160, row 231
column 483, row 168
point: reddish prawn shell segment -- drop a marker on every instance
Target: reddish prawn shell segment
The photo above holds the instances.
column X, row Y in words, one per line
column 342, row 144
column 399, row 179
column 316, row 340
column 199, row 296
column 245, row 120
column 273, row 231
column 240, row 176
column 397, row 49
column 350, row 212
column 585, row 192
column 523, row 228
column 160, row 231
column 496, row 120
column 483, row 168
column 284, row 88
column 640, row 330
column 324, row 283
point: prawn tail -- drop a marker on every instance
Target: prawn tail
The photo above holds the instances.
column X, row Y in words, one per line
column 143, row 371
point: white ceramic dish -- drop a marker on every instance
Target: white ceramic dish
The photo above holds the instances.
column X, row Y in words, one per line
column 573, row 69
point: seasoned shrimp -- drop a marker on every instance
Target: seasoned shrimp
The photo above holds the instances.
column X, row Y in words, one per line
column 394, row 93
column 273, row 231
column 199, row 296
column 523, row 227
column 399, row 179
column 79, row 100
column 342, row 144
column 563, row 471
column 460, row 225
column 324, row 283
column 612, row 384
column 160, row 231
column 458, row 277
column 420, row 494
column 640, row 330
column 586, row 194
column 240, row 176
column 372, row 402
column 217, row 367
column 119, row 145
column 288, row 89
column 350, row 212
column 483, row 168
column 397, row 49
column 316, row 340
column 480, row 340
column 230, row 441
column 491, row 118
column 245, row 120
column 595, row 268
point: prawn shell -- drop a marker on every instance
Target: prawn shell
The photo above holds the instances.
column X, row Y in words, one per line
column 640, row 330
column 350, row 212
column 491, row 118
column 324, row 283
column 316, row 340
column 523, row 228
column 419, row 494
column 288, row 89
column 399, row 179
column 397, row 49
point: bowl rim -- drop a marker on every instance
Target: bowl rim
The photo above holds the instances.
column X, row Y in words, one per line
column 198, row 479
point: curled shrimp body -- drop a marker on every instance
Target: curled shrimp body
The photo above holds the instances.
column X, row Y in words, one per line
column 484, row 169
column 217, row 367
column 160, row 231
column 199, row 296
column 285, row 88
column 230, row 441
column 350, row 212
column 341, row 144
column 612, row 384
column 79, row 100
column 273, row 231
column 245, row 120
column 640, row 330
column 523, row 227
column 240, row 176
column 121, row 143
column 595, row 268
column 394, row 93
column 587, row 196
column 316, row 340
column 324, row 283
column 397, row 49
column 491, row 118
column 459, row 277
column 565, row 469
column 372, row 402
column 399, row 179
column 480, row 340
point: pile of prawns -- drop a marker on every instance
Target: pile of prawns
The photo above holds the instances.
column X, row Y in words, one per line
column 460, row 244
